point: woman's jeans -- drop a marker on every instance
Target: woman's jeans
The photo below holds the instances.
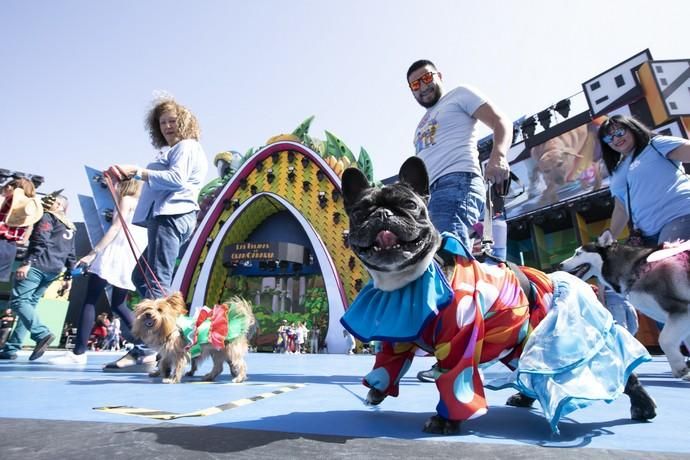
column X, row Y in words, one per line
column 25, row 296
column 166, row 236
column 456, row 203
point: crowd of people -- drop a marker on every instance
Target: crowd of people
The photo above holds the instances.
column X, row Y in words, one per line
column 156, row 210
column 156, row 215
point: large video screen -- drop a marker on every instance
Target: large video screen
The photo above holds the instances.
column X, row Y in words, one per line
column 560, row 169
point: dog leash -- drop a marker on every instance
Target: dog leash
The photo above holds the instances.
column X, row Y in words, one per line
column 143, row 267
column 487, row 232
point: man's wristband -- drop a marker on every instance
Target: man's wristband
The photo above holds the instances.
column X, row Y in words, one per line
column 139, row 174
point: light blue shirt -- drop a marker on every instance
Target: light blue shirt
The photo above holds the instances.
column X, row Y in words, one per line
column 659, row 188
column 173, row 183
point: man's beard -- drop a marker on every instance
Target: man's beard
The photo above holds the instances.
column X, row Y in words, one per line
column 433, row 101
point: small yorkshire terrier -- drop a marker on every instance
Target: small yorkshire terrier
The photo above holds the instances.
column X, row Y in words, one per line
column 220, row 332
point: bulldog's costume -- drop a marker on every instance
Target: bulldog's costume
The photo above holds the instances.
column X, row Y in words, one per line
column 564, row 348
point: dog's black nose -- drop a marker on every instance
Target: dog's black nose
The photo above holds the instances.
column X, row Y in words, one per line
column 383, row 213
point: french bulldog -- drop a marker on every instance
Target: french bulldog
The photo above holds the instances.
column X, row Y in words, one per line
column 410, row 304
column 390, row 229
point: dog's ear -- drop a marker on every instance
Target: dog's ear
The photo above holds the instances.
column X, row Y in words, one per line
column 176, row 301
column 413, row 173
column 354, row 183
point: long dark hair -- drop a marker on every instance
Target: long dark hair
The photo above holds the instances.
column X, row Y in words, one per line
column 640, row 132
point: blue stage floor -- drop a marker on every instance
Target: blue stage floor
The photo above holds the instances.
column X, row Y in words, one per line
column 322, row 395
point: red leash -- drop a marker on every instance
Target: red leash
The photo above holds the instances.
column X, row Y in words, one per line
column 145, row 268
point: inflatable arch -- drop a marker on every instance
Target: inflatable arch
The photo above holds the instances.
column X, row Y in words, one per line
column 284, row 176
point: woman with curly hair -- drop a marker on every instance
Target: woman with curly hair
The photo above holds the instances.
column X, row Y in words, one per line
column 167, row 206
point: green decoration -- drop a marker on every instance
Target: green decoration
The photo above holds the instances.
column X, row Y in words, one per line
column 302, row 132
column 365, row 165
column 337, row 148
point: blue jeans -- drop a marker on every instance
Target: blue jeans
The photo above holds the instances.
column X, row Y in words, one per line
column 678, row 228
column 25, row 296
column 456, row 202
column 166, row 236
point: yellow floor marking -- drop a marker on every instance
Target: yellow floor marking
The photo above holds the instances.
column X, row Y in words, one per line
column 163, row 415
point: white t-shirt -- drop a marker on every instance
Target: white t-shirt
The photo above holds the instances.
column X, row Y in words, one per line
column 446, row 137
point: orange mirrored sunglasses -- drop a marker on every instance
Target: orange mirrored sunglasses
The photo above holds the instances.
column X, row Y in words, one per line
column 426, row 78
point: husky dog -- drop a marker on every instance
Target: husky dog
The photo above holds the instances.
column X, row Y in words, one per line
column 219, row 332
column 657, row 282
column 478, row 315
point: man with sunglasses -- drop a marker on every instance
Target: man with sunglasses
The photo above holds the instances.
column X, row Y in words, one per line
column 446, row 140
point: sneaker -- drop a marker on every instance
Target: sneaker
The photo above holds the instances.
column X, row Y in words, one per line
column 41, row 347
column 136, row 360
column 7, row 355
column 429, row 375
column 68, row 359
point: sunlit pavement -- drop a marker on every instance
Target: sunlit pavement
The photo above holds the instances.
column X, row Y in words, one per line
column 297, row 405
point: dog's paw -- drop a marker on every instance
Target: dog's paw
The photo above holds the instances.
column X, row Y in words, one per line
column 170, row 380
column 155, row 373
column 189, row 374
column 439, row 425
column 642, row 407
column 375, row 397
column 520, row 400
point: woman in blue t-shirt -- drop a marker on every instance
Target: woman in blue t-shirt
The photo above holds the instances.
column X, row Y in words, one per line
column 648, row 182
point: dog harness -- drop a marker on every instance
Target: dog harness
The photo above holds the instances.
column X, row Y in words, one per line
column 214, row 326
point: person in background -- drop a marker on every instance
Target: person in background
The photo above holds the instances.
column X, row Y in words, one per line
column 648, row 182
column 51, row 250
column 110, row 263
column 349, row 342
column 446, row 140
column 167, row 207
column 19, row 210
column 6, row 323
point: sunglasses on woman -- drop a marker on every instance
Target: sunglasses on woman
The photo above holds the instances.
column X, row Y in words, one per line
column 620, row 132
column 426, row 78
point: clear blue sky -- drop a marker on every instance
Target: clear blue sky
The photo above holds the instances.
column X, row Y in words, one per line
column 77, row 76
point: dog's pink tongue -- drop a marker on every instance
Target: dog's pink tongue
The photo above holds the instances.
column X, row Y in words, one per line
column 386, row 239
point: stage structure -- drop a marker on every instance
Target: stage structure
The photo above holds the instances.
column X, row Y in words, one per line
column 278, row 214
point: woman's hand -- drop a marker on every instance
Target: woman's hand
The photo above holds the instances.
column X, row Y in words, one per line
column 87, row 259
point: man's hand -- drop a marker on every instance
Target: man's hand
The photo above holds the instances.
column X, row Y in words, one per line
column 497, row 170
column 21, row 272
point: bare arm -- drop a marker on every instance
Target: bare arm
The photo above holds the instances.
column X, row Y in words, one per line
column 619, row 218
column 126, row 205
column 681, row 153
column 497, row 169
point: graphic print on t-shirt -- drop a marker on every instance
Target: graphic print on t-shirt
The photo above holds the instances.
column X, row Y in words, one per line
column 426, row 133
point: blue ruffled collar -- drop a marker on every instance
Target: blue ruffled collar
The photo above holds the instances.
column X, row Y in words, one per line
column 400, row 315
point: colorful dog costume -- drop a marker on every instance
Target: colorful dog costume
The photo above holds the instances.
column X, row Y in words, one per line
column 564, row 348
column 216, row 326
